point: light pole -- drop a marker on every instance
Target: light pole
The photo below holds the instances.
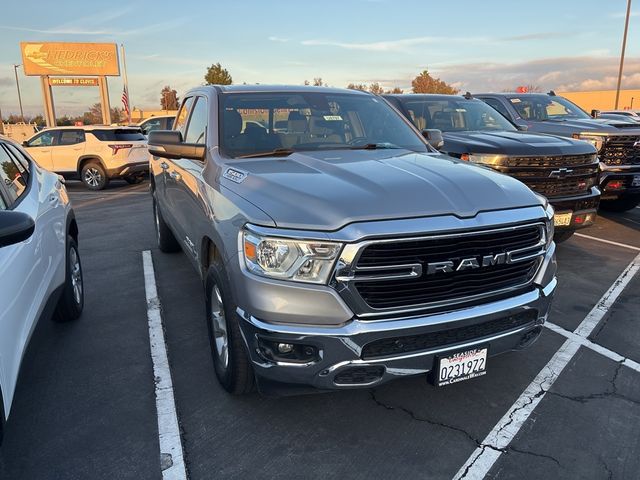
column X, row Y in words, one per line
column 624, row 45
column 15, row 71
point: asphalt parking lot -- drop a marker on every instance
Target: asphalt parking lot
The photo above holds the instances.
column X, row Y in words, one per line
column 85, row 404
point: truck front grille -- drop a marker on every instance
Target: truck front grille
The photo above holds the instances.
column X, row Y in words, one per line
column 449, row 337
column 620, row 150
column 555, row 176
column 387, row 285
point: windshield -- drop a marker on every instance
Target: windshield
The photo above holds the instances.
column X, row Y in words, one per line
column 255, row 123
column 454, row 115
column 545, row 107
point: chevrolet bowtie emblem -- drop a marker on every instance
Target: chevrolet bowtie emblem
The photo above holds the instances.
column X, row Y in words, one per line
column 561, row 172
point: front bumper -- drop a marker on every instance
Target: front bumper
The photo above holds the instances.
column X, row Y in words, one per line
column 341, row 349
column 625, row 179
column 580, row 206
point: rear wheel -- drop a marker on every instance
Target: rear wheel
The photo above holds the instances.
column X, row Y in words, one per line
column 563, row 236
column 167, row 242
column 94, row 176
column 620, row 204
column 230, row 360
column 71, row 302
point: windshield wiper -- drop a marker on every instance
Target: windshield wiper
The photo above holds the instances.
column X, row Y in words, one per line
column 375, row 146
column 277, row 152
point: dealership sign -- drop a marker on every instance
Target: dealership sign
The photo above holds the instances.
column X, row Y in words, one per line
column 62, row 58
column 73, row 82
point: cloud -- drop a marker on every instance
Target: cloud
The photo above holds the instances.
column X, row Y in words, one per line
column 624, row 14
column 278, row 39
column 73, row 30
column 540, row 36
column 6, row 81
column 400, row 45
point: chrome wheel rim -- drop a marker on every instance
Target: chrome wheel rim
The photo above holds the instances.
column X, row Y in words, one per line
column 219, row 327
column 92, row 176
column 76, row 275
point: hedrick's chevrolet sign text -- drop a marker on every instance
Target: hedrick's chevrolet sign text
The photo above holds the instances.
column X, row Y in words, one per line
column 58, row 58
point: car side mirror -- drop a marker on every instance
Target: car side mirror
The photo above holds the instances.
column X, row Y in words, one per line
column 15, row 227
column 595, row 113
column 169, row 144
column 25, row 143
column 434, row 137
column 522, row 128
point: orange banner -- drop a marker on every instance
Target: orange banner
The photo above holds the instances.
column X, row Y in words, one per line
column 58, row 58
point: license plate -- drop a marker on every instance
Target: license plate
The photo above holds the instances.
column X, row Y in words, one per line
column 562, row 219
column 636, row 181
column 461, row 366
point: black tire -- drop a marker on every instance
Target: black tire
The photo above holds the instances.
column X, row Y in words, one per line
column 94, row 176
column 620, row 204
column 563, row 236
column 71, row 301
column 236, row 376
column 134, row 180
column 167, row 242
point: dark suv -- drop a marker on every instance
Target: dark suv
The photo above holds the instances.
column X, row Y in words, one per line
column 562, row 169
column 618, row 142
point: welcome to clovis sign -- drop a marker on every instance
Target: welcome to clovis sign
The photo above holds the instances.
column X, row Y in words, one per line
column 61, row 58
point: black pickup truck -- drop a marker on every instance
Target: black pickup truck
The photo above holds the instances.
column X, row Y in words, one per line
column 562, row 169
column 618, row 142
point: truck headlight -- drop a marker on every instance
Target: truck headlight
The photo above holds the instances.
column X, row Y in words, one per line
column 595, row 140
column 289, row 259
column 549, row 212
column 488, row 159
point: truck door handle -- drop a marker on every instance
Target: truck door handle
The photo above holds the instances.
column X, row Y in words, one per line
column 164, row 165
column 175, row 175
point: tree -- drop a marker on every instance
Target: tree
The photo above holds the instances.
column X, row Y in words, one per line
column 169, row 98
column 357, row 86
column 425, row 83
column 376, row 89
column 216, row 75
column 306, row 82
column 396, row 90
column 317, row 82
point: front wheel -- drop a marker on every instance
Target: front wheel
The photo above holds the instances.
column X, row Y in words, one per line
column 94, row 176
column 71, row 302
column 623, row 204
column 230, row 360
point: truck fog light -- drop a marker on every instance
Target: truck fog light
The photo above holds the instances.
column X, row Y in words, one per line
column 285, row 348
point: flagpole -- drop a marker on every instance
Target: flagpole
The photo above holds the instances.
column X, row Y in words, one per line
column 126, row 81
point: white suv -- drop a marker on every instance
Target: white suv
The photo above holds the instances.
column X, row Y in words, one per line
column 95, row 153
column 40, row 268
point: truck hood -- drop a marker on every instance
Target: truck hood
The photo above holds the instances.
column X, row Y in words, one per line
column 329, row 189
column 600, row 125
column 513, row 143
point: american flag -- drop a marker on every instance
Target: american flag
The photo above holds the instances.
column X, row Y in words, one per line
column 125, row 100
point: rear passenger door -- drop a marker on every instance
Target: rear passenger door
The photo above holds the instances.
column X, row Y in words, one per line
column 41, row 146
column 70, row 146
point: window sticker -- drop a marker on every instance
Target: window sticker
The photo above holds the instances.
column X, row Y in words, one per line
column 332, row 118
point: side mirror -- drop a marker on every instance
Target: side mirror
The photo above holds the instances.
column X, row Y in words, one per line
column 25, row 143
column 169, row 144
column 595, row 113
column 434, row 137
column 522, row 128
column 15, row 227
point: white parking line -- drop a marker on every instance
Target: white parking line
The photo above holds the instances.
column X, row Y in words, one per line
column 617, row 244
column 171, row 452
column 585, row 342
column 484, row 457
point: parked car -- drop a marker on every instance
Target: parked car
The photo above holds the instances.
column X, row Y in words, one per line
column 39, row 261
column 618, row 143
column 96, row 153
column 562, row 169
column 625, row 115
column 345, row 252
column 164, row 122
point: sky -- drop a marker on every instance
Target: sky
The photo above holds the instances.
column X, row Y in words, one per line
column 475, row 46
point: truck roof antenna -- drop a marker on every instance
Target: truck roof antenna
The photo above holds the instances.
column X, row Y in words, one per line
column 468, row 96
column 551, row 93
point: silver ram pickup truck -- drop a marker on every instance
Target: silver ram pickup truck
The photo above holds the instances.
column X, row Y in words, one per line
column 337, row 248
